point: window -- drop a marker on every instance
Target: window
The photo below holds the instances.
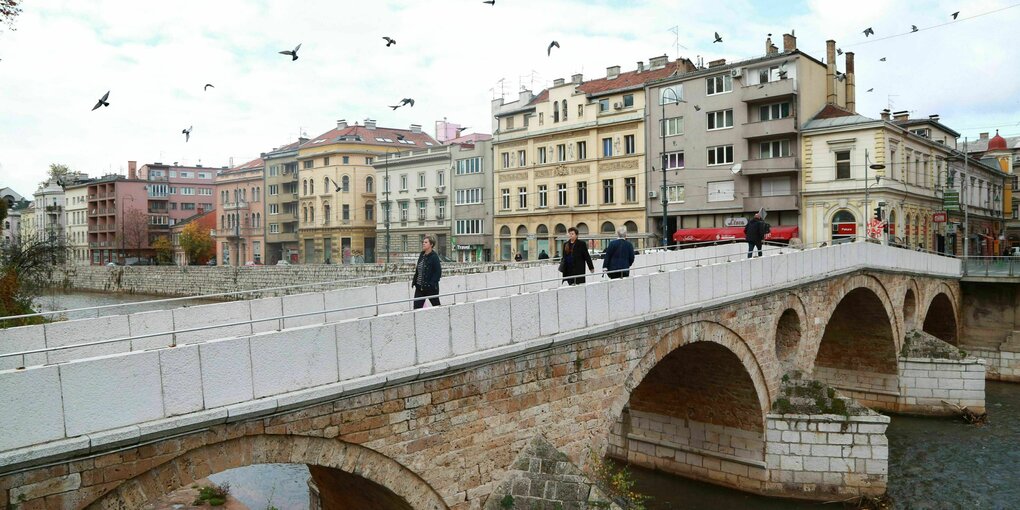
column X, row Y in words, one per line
column 325, row 161
column 307, row 164
column 506, row 160
column 421, row 180
column 603, row 105
column 274, row 228
column 582, row 193
column 510, row 122
column 720, row 155
column 774, row 149
column 469, row 196
column 522, row 160
column 522, row 197
column 325, row 183
column 1016, row 182
column 185, row 175
column 541, row 119
column 369, row 182
column 403, row 182
column 469, row 166
column 767, row 74
column 675, row 194
column 672, row 126
column 441, row 208
column 580, row 111
column 505, row 193
column 774, row 111
column 346, row 212
column 842, row 164
column 630, row 187
column 563, row 104
column 719, row 84
column 368, row 160
column 543, row 196
column 721, row 119
column 403, row 210
column 274, row 208
column 369, row 212
column 561, row 194
column 311, row 186
column 561, row 152
column 440, row 178
column 628, row 144
column 467, row 227
column 542, row 156
column 205, row 175
column 556, row 113
column 775, row 186
column 422, row 208
column 187, row 191
column 671, row 94
column 582, row 151
column 628, row 100
column 674, row 160
column 607, row 191
column 720, row 191
column 607, row 147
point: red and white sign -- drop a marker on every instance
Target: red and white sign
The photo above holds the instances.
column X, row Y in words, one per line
column 939, row 217
column 846, row 228
column 875, row 228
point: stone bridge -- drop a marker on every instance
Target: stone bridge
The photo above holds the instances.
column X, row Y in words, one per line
column 683, row 367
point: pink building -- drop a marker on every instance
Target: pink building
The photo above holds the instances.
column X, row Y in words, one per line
column 240, row 210
column 118, row 221
column 178, row 192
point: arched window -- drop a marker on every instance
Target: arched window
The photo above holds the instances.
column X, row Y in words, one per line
column 505, row 243
column 223, row 221
column 844, row 225
column 304, row 214
column 582, row 229
column 370, row 211
column 304, row 185
column 311, row 187
column 311, row 214
column 630, row 226
column 369, row 182
column 556, row 113
column 345, row 183
column 564, row 109
column 325, row 183
column 325, row 213
column 608, row 227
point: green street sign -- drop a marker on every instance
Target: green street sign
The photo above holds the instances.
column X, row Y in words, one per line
column 951, row 200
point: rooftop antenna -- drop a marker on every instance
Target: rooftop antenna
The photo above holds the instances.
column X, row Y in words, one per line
column 889, row 101
column 676, row 40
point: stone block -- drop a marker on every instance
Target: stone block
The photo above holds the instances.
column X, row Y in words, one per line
column 110, row 392
column 30, row 407
column 791, row 463
column 755, row 273
column 354, row 348
column 294, row 359
column 454, row 285
column 642, row 295
column 393, row 342
column 462, row 328
column 525, row 317
column 25, row 338
column 65, row 333
column 266, row 308
column 492, row 323
column 352, row 303
column 181, row 369
column 495, row 284
column 432, row 333
column 395, row 297
column 532, row 277
column 736, row 277
column 142, row 324
column 572, row 310
column 597, row 301
column 203, row 317
column 693, row 292
column 791, row 436
column 301, row 304
column 551, row 277
column 840, row 439
column 681, row 283
column 659, row 291
column 475, row 284
column 55, row 485
column 620, row 296
column 226, row 372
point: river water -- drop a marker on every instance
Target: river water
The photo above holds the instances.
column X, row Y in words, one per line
column 69, row 300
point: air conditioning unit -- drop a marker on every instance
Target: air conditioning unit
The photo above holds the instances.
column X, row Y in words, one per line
column 653, row 194
column 440, row 189
column 617, row 106
column 736, row 72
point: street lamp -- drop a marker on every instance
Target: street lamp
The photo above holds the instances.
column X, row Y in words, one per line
column 963, row 199
column 386, row 185
column 867, row 165
column 665, row 159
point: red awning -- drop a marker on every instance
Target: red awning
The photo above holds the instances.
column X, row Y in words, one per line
column 700, row 235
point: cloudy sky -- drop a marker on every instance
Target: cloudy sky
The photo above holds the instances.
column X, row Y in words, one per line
column 452, row 56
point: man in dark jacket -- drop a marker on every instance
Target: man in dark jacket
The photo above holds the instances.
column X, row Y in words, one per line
column 427, row 272
column 619, row 256
column 754, row 232
column 575, row 258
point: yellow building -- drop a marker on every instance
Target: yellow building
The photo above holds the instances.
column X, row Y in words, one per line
column 337, row 189
column 573, row 156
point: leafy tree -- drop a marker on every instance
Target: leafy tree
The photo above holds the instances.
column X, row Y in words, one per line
column 9, row 9
column 164, row 250
column 23, row 273
column 197, row 244
column 57, row 170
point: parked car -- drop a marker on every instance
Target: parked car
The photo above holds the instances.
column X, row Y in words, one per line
column 282, row 262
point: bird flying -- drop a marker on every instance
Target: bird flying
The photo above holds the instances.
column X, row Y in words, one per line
column 839, row 51
column 207, row 85
column 548, row 51
column 718, row 38
column 913, row 28
column 697, row 108
column 337, row 186
column 955, row 14
column 404, row 102
column 490, row 2
column 187, row 134
column 871, row 89
column 102, row 101
column 868, row 31
column 292, row 53
column 881, row 59
column 389, row 41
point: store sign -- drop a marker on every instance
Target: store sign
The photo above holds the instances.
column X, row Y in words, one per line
column 951, row 200
column 846, row 228
column 940, row 217
column 951, row 228
column 735, row 222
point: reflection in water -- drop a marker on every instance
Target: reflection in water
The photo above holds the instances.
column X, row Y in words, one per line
column 262, row 486
column 66, row 300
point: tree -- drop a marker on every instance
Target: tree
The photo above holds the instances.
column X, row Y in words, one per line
column 23, row 272
column 9, row 9
column 133, row 231
column 197, row 244
column 57, row 170
column 164, row 250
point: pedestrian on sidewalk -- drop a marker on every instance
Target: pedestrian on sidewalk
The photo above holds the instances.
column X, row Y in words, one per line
column 575, row 257
column 619, row 256
column 427, row 272
column 754, row 232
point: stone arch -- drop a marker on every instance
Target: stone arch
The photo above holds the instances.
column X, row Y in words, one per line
column 790, row 329
column 940, row 319
column 910, row 307
column 379, row 478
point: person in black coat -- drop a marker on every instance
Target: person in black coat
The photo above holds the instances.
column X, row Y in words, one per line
column 575, row 257
column 427, row 272
column 754, row 233
column 619, row 256
column 543, row 255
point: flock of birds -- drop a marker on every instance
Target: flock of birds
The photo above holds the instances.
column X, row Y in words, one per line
column 293, row 54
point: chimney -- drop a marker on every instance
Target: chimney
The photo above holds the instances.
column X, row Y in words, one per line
column 657, row 62
column 612, row 72
column 341, row 124
column 984, row 136
column 370, row 123
column 768, row 46
column 416, row 128
column 577, row 78
column 850, row 84
column 900, row 116
column 934, row 118
column 717, row 63
column 132, row 170
column 525, row 96
column 885, row 114
column 830, row 71
column 557, row 82
column 640, row 66
column 789, row 42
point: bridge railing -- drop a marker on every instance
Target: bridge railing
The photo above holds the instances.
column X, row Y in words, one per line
column 991, row 266
column 129, row 397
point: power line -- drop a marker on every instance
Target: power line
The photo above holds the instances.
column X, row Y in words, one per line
column 870, row 41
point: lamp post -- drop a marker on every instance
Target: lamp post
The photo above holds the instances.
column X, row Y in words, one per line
column 867, row 165
column 963, row 195
column 665, row 159
column 386, row 185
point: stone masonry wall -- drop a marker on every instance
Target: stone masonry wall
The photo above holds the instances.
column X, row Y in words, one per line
column 926, row 383
column 1000, row 365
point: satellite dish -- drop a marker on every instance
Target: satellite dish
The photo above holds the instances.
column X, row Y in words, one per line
column 736, row 169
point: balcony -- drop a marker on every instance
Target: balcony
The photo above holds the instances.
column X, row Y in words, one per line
column 234, row 233
column 770, row 128
column 773, row 90
column 775, row 203
column 770, row 166
column 235, row 206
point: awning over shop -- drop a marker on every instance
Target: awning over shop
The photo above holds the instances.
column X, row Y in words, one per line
column 700, row 235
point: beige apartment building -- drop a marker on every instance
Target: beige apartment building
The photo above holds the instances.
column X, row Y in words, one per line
column 281, row 175
column 573, row 156
column 240, row 222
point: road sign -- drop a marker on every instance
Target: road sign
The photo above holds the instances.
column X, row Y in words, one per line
column 939, row 217
column 735, row 222
column 951, row 200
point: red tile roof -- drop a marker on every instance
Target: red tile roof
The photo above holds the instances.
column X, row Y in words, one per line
column 636, row 79
column 369, row 137
column 831, row 111
column 251, row 165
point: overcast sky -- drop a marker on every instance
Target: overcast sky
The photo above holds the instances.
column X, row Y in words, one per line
column 450, row 56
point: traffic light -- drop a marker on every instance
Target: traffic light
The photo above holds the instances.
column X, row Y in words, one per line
column 878, row 213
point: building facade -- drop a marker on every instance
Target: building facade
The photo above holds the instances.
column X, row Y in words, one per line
column 77, row 223
column 338, row 185
column 727, row 136
column 471, row 198
column 118, row 219
column 49, row 211
column 417, row 202
column 573, row 156
column 240, row 214
column 1003, row 152
column 11, row 233
column 281, row 197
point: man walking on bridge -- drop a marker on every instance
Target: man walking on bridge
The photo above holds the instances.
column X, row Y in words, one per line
column 619, row 256
column 754, row 232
